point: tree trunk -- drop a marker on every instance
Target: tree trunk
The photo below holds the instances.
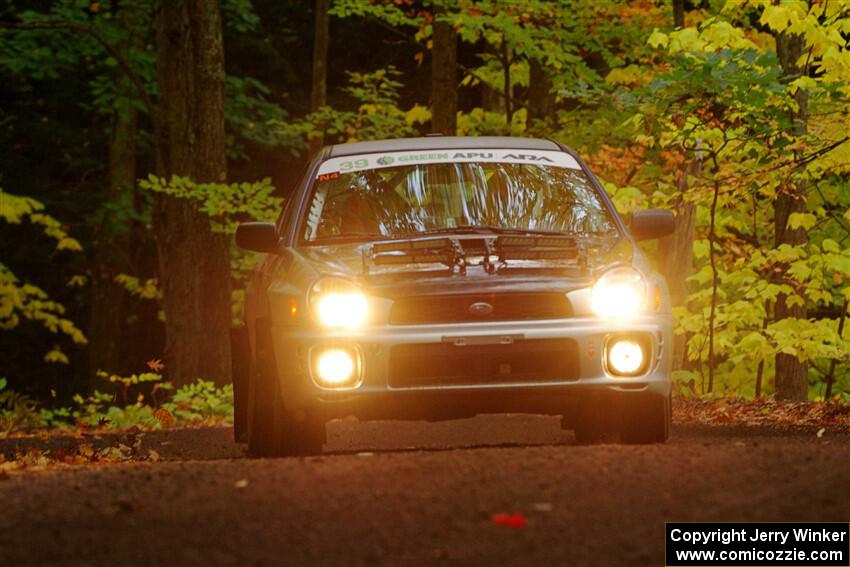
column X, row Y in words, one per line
column 320, row 65
column 676, row 251
column 541, row 101
column 679, row 13
column 193, row 261
column 114, row 238
column 444, row 78
column 507, row 83
column 715, row 281
column 109, row 301
column 791, row 373
column 830, row 376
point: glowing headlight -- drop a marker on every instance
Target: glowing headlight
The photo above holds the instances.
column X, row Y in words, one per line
column 619, row 293
column 338, row 303
column 335, row 367
column 625, row 357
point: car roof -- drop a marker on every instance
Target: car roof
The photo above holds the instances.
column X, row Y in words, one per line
column 441, row 143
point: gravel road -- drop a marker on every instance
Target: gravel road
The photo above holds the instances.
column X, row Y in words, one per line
column 398, row 493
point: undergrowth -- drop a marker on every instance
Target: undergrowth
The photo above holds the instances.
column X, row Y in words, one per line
column 142, row 400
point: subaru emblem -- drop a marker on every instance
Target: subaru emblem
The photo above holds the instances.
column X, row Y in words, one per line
column 481, row 308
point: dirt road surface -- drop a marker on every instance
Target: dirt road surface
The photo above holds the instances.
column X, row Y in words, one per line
column 397, row 493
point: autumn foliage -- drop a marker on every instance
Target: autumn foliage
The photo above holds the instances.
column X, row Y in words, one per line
column 735, row 119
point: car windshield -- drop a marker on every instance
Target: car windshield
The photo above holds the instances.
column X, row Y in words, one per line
column 381, row 197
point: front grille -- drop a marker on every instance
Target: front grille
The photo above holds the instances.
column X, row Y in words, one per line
column 445, row 364
column 423, row 310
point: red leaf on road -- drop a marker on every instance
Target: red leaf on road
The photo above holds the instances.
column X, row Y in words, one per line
column 165, row 417
column 515, row 520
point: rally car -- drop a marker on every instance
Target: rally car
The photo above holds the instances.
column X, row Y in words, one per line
column 442, row 277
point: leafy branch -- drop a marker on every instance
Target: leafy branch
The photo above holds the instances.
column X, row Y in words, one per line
column 138, row 84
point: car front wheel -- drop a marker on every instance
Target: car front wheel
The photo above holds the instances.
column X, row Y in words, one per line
column 273, row 430
column 645, row 419
column 595, row 423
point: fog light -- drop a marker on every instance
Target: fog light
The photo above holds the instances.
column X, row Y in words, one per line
column 625, row 357
column 336, row 367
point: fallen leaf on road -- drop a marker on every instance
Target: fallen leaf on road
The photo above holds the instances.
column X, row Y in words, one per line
column 128, row 505
column 11, row 466
column 153, row 456
column 516, row 520
column 761, row 411
column 242, row 483
column 86, row 451
column 821, row 431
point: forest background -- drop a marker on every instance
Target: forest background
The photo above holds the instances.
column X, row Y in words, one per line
column 128, row 159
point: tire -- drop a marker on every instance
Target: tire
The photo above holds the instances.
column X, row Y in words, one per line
column 594, row 423
column 645, row 419
column 240, row 350
column 273, row 431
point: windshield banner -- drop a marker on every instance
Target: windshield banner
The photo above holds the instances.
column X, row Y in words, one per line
column 347, row 164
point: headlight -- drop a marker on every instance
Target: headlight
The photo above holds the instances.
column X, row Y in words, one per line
column 619, row 293
column 338, row 302
column 625, row 357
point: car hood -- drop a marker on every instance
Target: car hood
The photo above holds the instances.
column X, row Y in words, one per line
column 347, row 260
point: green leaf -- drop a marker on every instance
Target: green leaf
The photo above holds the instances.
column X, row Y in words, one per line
column 830, row 245
column 800, row 270
column 802, row 220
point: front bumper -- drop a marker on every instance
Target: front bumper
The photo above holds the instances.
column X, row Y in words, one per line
column 375, row 397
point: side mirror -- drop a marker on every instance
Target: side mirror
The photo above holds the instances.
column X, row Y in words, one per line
column 258, row 237
column 652, row 223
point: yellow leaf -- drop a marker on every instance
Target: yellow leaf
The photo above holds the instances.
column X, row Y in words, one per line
column 657, row 39
column 776, row 17
column 56, row 355
column 628, row 75
column 801, row 220
column 69, row 243
column 417, row 115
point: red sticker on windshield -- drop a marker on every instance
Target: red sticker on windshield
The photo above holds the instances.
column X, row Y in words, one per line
column 328, row 176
